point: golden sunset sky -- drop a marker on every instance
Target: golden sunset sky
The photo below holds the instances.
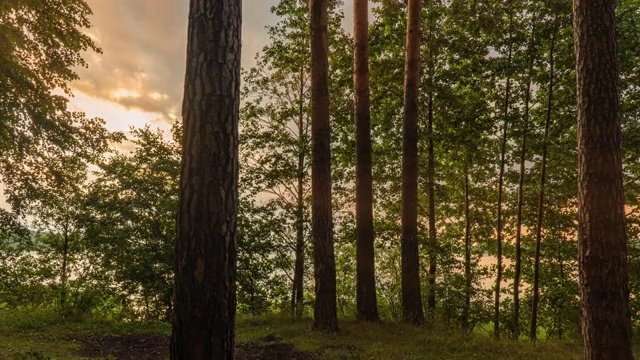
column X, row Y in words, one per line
column 139, row 77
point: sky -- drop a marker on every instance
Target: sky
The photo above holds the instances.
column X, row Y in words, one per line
column 138, row 79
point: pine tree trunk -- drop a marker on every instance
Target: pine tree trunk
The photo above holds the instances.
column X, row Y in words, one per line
column 467, row 248
column 411, row 297
column 325, row 312
column 298, row 275
column 205, row 251
column 523, row 153
column 543, row 177
column 367, row 308
column 604, row 289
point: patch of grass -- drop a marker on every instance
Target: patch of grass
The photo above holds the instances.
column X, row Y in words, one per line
column 45, row 322
column 41, row 334
column 399, row 341
column 38, row 334
column 34, row 348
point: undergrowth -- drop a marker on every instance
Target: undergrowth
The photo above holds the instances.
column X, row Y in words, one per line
column 38, row 334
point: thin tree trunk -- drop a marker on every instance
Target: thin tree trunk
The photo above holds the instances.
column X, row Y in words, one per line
column 205, row 249
column 602, row 243
column 503, row 151
column 523, row 153
column 543, row 178
column 433, row 241
column 298, row 276
column 367, row 308
column 467, row 248
column 411, row 297
column 325, row 311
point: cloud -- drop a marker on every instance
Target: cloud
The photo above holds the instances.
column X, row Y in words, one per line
column 144, row 44
column 118, row 117
column 144, row 49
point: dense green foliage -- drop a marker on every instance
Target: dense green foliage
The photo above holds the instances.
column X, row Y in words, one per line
column 91, row 226
column 41, row 42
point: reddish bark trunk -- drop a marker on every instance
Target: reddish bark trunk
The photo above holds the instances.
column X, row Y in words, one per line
column 602, row 245
column 411, row 297
column 366, row 302
column 325, row 311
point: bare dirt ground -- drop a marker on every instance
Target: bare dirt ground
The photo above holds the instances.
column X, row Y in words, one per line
column 155, row 347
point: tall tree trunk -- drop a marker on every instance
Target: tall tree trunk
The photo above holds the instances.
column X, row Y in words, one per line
column 431, row 192
column 503, row 151
column 205, row 248
column 298, row 275
column 411, row 297
column 467, row 248
column 602, row 244
column 325, row 312
column 367, row 308
column 543, row 177
column 523, row 153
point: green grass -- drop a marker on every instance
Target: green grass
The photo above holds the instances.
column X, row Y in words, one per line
column 399, row 341
column 42, row 334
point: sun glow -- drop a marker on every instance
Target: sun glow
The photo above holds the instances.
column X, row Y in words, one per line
column 124, row 93
column 117, row 116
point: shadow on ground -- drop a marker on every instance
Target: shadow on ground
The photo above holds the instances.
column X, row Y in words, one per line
column 153, row 347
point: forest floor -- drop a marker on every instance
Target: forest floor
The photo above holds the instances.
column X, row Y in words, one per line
column 37, row 336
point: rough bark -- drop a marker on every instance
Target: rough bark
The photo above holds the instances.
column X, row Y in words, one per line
column 543, row 177
column 325, row 312
column 366, row 302
column 503, row 152
column 411, row 297
column 604, row 289
column 205, row 248
column 523, row 153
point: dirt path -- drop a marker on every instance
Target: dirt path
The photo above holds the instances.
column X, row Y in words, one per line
column 154, row 347
column 143, row 347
